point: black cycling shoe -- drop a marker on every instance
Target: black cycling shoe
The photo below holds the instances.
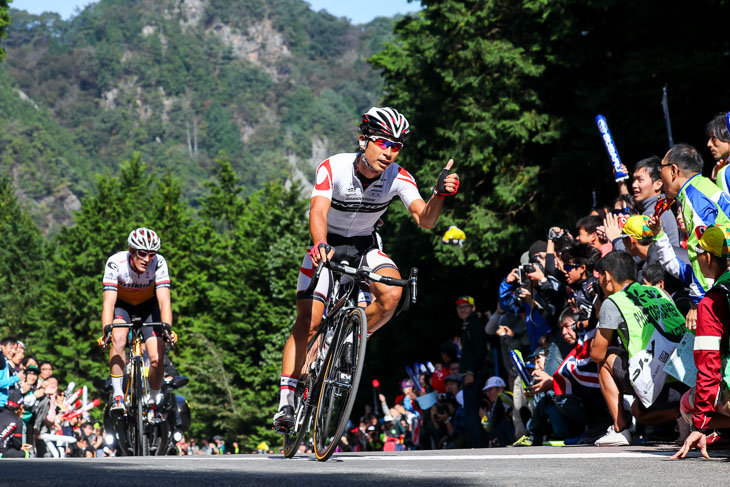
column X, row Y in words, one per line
column 284, row 420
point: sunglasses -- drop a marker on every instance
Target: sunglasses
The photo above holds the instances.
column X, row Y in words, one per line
column 386, row 144
column 622, row 211
column 570, row 267
column 145, row 253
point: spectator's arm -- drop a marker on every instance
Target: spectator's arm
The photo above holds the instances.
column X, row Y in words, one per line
column 507, row 300
column 383, row 404
column 599, row 348
column 493, row 323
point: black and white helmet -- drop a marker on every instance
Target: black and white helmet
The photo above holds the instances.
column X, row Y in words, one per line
column 144, row 239
column 384, row 121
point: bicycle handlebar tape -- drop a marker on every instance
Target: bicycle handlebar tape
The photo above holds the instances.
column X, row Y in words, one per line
column 315, row 278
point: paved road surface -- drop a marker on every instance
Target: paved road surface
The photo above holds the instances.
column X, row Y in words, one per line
column 504, row 467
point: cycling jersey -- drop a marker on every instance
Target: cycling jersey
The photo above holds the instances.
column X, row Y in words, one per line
column 703, row 204
column 355, row 210
column 133, row 287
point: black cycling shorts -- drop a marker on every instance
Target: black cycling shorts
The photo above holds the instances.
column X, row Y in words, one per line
column 149, row 311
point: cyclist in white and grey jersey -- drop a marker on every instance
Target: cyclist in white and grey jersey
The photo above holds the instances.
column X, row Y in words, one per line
column 352, row 192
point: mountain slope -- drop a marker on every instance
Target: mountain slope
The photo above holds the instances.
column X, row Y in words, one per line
column 272, row 86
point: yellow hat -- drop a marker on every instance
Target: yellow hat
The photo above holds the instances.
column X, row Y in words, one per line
column 716, row 240
column 637, row 227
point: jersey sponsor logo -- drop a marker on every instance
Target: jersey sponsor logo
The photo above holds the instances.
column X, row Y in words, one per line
column 138, row 285
column 113, row 266
column 359, row 206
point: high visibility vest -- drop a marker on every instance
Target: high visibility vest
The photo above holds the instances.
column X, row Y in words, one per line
column 653, row 328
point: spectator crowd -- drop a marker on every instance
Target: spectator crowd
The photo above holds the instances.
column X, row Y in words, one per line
column 610, row 333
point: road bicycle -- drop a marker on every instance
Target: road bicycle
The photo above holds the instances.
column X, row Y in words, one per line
column 134, row 435
column 328, row 382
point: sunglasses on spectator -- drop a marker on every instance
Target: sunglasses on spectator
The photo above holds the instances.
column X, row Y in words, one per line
column 145, row 253
column 622, row 211
column 570, row 267
column 386, row 144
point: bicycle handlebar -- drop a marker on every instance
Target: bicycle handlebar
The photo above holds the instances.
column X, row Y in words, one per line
column 366, row 273
column 166, row 330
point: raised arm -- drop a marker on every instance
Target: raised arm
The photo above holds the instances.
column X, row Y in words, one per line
column 426, row 214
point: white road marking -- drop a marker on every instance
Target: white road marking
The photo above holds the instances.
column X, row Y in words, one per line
column 441, row 458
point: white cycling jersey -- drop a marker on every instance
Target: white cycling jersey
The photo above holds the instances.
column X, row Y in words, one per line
column 355, row 211
column 132, row 287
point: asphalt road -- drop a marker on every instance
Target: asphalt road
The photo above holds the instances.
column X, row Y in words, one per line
column 506, row 466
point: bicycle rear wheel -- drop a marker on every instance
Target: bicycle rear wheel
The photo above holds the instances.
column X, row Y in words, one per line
column 339, row 386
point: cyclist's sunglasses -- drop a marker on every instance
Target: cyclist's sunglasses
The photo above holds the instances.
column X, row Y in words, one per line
column 387, row 144
column 145, row 253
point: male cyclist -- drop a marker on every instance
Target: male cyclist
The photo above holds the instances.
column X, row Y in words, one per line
column 352, row 192
column 137, row 283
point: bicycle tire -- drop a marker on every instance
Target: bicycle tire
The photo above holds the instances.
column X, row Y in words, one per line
column 302, row 414
column 142, row 445
column 329, row 407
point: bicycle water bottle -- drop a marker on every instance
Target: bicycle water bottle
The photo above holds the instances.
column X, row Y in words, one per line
column 327, row 340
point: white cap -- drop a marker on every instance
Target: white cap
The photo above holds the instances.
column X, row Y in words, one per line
column 494, row 382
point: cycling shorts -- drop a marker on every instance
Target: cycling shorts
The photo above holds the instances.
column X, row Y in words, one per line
column 149, row 311
column 356, row 251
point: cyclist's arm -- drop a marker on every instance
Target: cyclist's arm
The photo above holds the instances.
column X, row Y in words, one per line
column 426, row 214
column 163, row 299
column 319, row 206
column 107, row 312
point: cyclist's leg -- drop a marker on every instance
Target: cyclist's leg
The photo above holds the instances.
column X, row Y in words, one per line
column 310, row 308
column 155, row 345
column 384, row 298
column 116, row 351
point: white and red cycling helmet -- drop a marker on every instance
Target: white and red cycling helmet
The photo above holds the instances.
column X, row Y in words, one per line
column 144, row 239
column 384, row 121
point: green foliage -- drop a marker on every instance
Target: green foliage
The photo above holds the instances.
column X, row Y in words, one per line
column 465, row 87
column 4, row 21
column 22, row 264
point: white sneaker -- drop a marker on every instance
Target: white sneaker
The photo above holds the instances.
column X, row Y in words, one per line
column 612, row 438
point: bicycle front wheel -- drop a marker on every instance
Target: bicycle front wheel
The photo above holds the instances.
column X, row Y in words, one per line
column 142, row 446
column 302, row 414
column 339, row 387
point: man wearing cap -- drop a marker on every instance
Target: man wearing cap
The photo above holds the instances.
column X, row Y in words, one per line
column 11, row 427
column 708, row 402
column 650, row 327
column 471, row 364
column 638, row 240
column 496, row 415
